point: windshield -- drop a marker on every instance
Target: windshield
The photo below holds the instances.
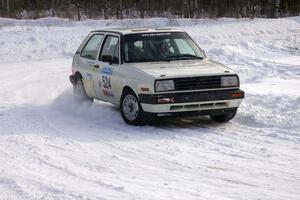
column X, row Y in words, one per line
column 149, row 47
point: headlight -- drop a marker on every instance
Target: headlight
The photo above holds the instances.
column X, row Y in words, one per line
column 229, row 81
column 166, row 85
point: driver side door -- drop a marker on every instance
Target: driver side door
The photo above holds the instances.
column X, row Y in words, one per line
column 107, row 74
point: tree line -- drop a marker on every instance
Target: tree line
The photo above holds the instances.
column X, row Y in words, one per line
column 118, row 9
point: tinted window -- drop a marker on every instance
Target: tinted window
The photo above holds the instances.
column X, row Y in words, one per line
column 91, row 48
column 111, row 48
column 145, row 47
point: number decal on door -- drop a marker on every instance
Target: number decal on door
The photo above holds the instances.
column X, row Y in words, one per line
column 106, row 82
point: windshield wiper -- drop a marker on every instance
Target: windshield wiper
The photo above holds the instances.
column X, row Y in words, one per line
column 148, row 60
column 184, row 56
column 167, row 58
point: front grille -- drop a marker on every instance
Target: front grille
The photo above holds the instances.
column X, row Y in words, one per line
column 196, row 83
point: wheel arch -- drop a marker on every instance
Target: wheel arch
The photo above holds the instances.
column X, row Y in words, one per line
column 126, row 88
column 141, row 119
column 77, row 75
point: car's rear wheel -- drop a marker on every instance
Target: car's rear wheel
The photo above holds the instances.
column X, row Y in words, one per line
column 224, row 118
column 79, row 90
column 131, row 109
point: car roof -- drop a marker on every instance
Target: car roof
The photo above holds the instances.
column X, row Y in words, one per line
column 126, row 30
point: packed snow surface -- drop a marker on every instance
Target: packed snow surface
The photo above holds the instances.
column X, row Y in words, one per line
column 51, row 147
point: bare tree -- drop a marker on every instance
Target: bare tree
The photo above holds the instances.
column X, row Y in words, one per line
column 75, row 9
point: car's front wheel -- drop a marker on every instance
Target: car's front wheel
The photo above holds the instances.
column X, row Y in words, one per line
column 224, row 118
column 79, row 90
column 131, row 109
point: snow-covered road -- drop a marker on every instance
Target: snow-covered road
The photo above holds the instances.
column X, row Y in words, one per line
column 51, row 147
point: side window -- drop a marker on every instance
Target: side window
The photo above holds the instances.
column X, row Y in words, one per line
column 111, row 48
column 91, row 48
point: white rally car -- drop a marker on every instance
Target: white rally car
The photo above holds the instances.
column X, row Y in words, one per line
column 153, row 72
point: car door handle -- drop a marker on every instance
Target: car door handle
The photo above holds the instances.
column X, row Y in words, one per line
column 92, row 64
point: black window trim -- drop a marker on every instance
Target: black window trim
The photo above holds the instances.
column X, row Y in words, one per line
column 103, row 41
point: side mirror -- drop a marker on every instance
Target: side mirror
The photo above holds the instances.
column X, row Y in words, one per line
column 107, row 58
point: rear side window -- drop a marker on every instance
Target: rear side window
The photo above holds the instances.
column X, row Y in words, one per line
column 111, row 48
column 91, row 48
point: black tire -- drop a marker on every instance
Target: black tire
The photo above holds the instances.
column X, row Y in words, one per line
column 138, row 117
column 79, row 90
column 224, row 118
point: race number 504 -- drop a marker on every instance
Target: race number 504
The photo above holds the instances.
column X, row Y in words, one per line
column 106, row 82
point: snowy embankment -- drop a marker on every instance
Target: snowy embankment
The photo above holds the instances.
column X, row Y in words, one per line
column 53, row 148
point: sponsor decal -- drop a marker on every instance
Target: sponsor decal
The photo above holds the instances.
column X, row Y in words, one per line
column 106, row 82
column 154, row 34
column 89, row 75
column 108, row 93
column 106, row 70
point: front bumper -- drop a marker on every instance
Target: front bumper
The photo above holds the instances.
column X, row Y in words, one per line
column 192, row 102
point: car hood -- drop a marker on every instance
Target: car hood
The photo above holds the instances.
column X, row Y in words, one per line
column 183, row 68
